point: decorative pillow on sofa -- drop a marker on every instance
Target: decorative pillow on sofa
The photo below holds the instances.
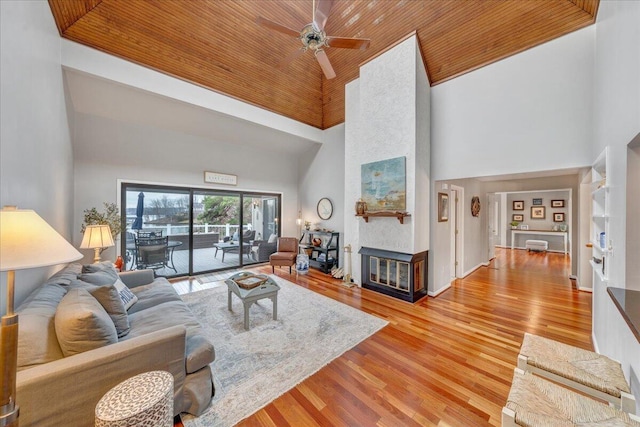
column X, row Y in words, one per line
column 128, row 298
column 37, row 342
column 103, row 273
column 82, row 324
column 109, row 297
column 272, row 238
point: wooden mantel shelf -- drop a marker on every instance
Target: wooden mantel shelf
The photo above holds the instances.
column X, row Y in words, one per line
column 400, row 215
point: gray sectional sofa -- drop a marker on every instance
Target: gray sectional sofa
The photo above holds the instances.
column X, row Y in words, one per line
column 77, row 340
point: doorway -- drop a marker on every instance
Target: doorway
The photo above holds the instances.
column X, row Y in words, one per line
column 457, row 232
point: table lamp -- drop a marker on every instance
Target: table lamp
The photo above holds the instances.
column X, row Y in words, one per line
column 26, row 241
column 97, row 237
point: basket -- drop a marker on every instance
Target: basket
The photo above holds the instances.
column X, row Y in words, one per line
column 250, row 282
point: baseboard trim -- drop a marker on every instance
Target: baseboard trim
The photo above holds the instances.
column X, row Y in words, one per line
column 482, row 264
column 439, row 291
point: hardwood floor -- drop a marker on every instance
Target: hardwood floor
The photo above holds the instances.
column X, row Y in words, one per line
column 443, row 361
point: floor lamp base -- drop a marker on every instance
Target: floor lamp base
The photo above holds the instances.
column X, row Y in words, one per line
column 9, row 340
column 10, row 419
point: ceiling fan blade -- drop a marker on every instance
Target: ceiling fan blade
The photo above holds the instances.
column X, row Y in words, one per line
column 293, row 55
column 322, row 13
column 323, row 60
column 348, row 42
column 275, row 26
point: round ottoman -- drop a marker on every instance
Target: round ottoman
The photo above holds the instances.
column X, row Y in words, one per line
column 143, row 400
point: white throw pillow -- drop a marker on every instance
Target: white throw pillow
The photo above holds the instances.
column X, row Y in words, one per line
column 128, row 298
column 272, row 238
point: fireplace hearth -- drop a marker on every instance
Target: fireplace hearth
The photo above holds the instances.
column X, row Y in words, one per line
column 396, row 274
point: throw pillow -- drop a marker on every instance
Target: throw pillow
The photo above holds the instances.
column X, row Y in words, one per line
column 99, row 274
column 109, row 297
column 98, row 266
column 128, row 298
column 82, row 324
column 272, row 238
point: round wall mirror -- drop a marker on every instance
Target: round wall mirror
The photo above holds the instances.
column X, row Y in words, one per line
column 325, row 208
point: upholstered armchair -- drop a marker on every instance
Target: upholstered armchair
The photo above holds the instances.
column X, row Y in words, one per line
column 285, row 254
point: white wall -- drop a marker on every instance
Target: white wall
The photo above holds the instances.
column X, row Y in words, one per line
column 321, row 174
column 36, row 164
column 616, row 122
column 528, row 112
column 106, row 150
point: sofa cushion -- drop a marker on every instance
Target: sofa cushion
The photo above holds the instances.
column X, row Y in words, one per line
column 65, row 276
column 37, row 340
column 109, row 297
column 157, row 292
column 99, row 274
column 82, row 324
column 199, row 351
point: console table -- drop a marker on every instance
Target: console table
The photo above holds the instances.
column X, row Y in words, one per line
column 564, row 235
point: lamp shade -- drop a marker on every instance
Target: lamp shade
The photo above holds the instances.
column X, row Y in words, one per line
column 27, row 241
column 97, row 236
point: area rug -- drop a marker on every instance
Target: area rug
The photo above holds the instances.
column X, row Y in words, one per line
column 252, row 368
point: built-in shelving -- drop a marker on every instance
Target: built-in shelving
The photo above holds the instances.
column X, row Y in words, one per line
column 600, row 240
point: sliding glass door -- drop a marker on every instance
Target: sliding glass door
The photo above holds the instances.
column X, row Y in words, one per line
column 205, row 230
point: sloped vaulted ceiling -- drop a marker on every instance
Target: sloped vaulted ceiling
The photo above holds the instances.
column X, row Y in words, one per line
column 218, row 45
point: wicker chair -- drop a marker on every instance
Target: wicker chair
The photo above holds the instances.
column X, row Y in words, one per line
column 285, row 254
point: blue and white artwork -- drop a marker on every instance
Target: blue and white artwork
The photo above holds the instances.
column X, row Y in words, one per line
column 384, row 185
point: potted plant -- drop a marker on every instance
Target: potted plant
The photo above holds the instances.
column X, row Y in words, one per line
column 514, row 225
column 110, row 216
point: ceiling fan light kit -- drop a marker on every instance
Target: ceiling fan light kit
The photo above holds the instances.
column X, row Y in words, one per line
column 313, row 37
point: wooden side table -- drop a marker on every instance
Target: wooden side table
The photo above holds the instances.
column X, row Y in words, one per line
column 145, row 400
column 268, row 289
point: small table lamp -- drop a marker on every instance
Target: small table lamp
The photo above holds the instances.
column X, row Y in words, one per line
column 97, row 237
column 26, row 241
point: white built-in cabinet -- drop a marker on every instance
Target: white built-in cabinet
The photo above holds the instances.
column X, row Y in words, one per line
column 600, row 242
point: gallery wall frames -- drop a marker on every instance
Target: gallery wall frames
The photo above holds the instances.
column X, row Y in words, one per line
column 536, row 202
column 517, row 217
column 537, row 212
column 518, row 205
column 558, row 217
column 557, row 203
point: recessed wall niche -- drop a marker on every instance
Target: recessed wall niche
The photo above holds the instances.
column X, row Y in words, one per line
column 632, row 273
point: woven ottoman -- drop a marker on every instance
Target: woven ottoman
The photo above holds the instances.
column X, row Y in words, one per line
column 534, row 402
column 583, row 370
column 145, row 400
column 537, row 245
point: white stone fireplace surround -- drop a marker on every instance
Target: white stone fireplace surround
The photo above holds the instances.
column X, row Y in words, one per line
column 387, row 116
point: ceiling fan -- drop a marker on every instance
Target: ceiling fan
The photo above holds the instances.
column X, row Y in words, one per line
column 313, row 37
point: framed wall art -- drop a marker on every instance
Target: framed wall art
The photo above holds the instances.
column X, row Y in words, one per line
column 384, row 185
column 537, row 212
column 557, row 203
column 558, row 217
column 517, row 217
column 536, row 202
column 443, row 207
column 518, row 205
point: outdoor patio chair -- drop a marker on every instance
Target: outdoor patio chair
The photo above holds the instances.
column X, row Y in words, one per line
column 285, row 254
column 152, row 253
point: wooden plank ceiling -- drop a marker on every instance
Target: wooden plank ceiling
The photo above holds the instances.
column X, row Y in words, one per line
column 218, row 45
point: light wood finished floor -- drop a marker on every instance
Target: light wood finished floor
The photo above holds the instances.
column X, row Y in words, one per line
column 444, row 361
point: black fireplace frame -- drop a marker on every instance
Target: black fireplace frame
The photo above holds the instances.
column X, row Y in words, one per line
column 412, row 295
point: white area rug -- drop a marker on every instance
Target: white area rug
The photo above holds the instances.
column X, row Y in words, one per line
column 252, row 368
